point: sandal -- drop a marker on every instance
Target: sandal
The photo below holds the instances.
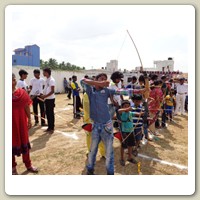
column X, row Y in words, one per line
column 132, row 161
column 33, row 169
column 122, row 162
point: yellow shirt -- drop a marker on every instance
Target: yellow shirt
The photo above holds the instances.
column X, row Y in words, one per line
column 73, row 86
column 169, row 100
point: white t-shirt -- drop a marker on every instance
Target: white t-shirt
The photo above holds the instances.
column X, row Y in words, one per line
column 37, row 86
column 181, row 88
column 47, row 88
column 115, row 97
column 22, row 84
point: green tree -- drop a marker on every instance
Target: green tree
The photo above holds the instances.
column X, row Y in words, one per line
column 53, row 64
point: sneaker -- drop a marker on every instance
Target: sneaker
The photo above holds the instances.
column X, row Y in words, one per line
column 150, row 137
column 122, row 162
column 144, row 140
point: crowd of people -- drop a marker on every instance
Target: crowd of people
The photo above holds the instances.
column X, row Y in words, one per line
column 135, row 111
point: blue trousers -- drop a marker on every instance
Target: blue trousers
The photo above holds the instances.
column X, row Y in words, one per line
column 105, row 133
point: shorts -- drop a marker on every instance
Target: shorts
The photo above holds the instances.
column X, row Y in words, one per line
column 129, row 141
column 169, row 109
column 138, row 134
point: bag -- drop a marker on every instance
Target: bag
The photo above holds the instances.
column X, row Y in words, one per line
column 87, row 127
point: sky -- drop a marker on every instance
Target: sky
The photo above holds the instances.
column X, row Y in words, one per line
column 91, row 36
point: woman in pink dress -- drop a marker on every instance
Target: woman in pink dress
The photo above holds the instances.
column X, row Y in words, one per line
column 21, row 122
column 154, row 105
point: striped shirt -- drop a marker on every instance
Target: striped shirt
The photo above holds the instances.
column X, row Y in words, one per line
column 137, row 120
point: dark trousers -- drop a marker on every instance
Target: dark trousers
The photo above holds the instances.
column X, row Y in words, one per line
column 77, row 105
column 157, row 123
column 49, row 107
column 163, row 116
column 69, row 93
column 66, row 89
column 36, row 101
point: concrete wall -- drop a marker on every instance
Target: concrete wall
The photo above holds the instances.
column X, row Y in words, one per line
column 57, row 75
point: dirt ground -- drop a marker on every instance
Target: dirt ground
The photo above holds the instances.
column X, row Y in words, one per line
column 64, row 151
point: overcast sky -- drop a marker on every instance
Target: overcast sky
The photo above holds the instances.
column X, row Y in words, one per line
column 91, row 36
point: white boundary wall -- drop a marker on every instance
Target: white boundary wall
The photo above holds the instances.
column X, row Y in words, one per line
column 57, row 75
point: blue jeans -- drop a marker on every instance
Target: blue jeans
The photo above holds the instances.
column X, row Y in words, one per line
column 105, row 133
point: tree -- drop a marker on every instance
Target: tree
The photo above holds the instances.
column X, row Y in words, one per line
column 53, row 64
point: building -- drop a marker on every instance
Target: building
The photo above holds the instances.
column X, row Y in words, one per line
column 164, row 65
column 112, row 66
column 160, row 65
column 28, row 56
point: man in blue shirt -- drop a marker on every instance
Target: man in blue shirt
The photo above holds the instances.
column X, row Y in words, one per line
column 133, row 83
column 102, row 129
column 65, row 84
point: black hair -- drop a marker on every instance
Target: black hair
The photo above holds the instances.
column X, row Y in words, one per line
column 141, row 78
column 74, row 76
column 101, row 74
column 154, row 77
column 136, row 97
column 48, row 70
column 125, row 102
column 116, row 75
column 134, row 78
column 163, row 77
column 86, row 76
column 36, row 71
column 21, row 72
column 156, row 83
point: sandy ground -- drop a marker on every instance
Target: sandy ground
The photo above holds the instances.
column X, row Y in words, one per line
column 64, row 151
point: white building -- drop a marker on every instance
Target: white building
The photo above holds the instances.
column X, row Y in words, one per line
column 112, row 66
column 160, row 65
